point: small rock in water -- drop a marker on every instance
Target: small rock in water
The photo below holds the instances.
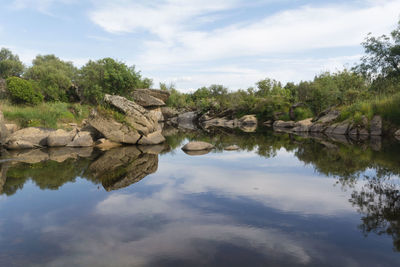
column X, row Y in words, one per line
column 197, row 145
column 233, row 147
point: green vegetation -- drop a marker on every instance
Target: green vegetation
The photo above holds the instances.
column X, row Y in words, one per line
column 368, row 89
column 10, row 65
column 23, row 92
column 49, row 115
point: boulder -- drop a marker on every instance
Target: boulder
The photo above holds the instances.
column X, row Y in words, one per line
column 137, row 116
column 81, row 139
column 169, row 112
column 197, row 145
column 317, row 128
column 329, row 117
column 105, row 144
column 248, row 120
column 341, row 129
column 283, row 124
column 220, row 122
column 303, row 126
column 152, row 139
column 113, row 130
column 233, row 147
column 143, row 98
column 156, row 112
column 30, row 137
column 186, row 120
column 376, row 125
column 60, row 138
column 11, row 127
column 163, row 95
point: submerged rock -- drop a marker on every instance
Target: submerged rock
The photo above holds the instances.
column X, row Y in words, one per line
column 197, row 145
column 233, row 147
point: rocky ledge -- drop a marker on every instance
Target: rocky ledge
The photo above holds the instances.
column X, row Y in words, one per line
column 139, row 126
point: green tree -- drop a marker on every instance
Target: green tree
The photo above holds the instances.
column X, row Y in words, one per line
column 54, row 76
column 10, row 65
column 108, row 76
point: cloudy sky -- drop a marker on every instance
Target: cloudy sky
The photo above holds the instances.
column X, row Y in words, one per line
column 194, row 43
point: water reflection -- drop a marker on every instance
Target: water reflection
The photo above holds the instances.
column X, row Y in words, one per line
column 281, row 200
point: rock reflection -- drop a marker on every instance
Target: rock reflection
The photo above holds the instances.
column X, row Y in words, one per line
column 121, row 167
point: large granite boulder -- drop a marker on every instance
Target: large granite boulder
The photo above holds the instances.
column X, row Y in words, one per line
column 197, row 145
column 376, row 126
column 60, row 138
column 11, row 127
column 143, row 98
column 303, row 125
column 137, row 116
column 162, row 95
column 152, row 139
column 169, row 112
column 30, row 137
column 112, row 129
column 81, row 139
column 187, row 120
column 329, row 116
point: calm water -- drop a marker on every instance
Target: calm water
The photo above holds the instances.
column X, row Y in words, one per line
column 279, row 201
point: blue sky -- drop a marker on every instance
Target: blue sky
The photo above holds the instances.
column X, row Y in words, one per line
column 194, row 43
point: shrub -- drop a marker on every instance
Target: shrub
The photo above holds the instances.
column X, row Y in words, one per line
column 23, row 92
column 302, row 113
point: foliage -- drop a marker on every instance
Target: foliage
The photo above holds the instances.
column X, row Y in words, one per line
column 54, row 76
column 49, row 115
column 10, row 65
column 108, row 76
column 23, row 92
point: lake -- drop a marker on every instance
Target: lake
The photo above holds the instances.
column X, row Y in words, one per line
column 280, row 200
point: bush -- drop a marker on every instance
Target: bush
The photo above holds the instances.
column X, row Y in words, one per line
column 302, row 113
column 10, row 65
column 23, row 92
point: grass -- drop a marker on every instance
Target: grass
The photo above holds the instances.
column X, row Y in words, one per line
column 388, row 107
column 48, row 115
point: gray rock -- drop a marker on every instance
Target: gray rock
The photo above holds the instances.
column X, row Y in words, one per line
column 331, row 116
column 143, row 98
column 303, row 126
column 317, row 128
column 341, row 129
column 30, row 137
column 197, row 145
column 376, row 125
column 137, row 116
column 186, row 120
column 11, row 127
column 162, row 95
column 397, row 135
column 81, row 139
column 60, row 138
column 113, row 130
column 4, row 132
column 152, row 139
column 156, row 112
column 284, row 124
column 105, row 144
column 169, row 112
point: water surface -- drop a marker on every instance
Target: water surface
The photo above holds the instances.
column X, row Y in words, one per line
column 278, row 201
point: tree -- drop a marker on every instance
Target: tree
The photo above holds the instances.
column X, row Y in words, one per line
column 23, row 92
column 54, row 76
column 382, row 55
column 108, row 76
column 10, row 65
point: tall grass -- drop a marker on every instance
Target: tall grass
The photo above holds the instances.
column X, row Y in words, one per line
column 48, row 115
column 388, row 107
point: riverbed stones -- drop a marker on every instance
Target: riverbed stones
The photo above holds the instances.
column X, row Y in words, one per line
column 376, row 126
column 197, row 145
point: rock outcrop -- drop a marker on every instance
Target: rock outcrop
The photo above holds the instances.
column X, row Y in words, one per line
column 81, row 139
column 140, row 126
column 60, row 138
column 4, row 132
column 31, row 137
column 247, row 123
column 145, row 99
column 376, row 126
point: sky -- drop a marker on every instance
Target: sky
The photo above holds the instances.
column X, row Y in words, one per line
column 195, row 43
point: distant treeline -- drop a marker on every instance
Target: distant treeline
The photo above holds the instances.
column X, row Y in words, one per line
column 371, row 87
